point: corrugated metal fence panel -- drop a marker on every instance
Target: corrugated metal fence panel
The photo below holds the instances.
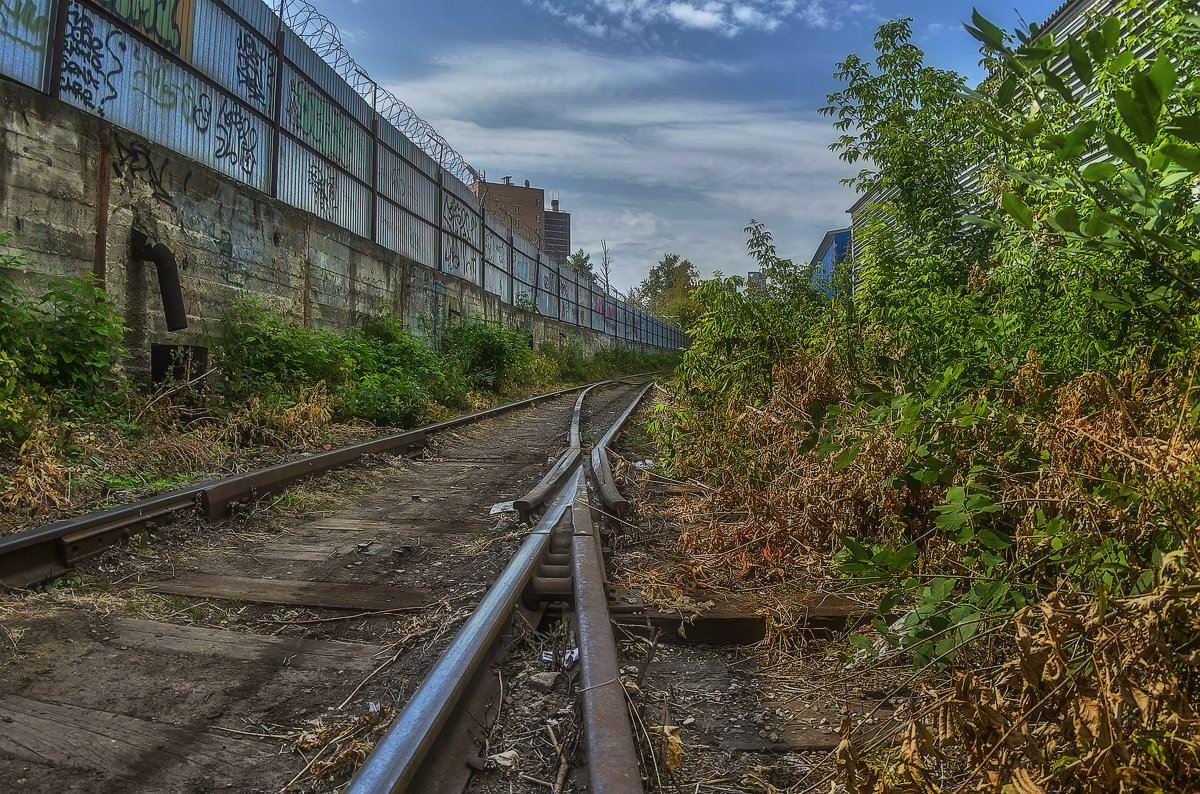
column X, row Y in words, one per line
column 461, row 220
column 462, row 236
column 460, row 259
column 597, row 306
column 455, row 186
column 497, row 282
column 494, row 223
column 406, row 234
column 324, row 126
column 257, row 15
column 548, row 272
column 522, row 292
column 25, row 31
column 400, row 143
column 234, row 57
column 107, row 72
column 314, row 184
column 407, row 186
column 547, row 303
column 495, row 250
column 566, row 296
column 170, row 26
column 323, row 75
column 524, row 246
column 524, row 268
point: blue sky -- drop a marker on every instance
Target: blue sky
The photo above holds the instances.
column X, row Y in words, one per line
column 661, row 125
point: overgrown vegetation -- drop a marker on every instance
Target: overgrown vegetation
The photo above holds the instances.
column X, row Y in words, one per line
column 56, row 349
column 996, row 428
column 81, row 431
column 386, row 374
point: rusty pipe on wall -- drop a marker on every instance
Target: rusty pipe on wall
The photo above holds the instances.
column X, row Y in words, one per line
column 167, row 268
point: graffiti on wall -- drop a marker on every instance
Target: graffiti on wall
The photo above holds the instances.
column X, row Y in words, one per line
column 323, row 180
column 106, row 71
column 237, row 138
column 21, row 22
column 88, row 59
column 316, row 119
column 168, row 23
column 458, row 219
column 495, row 249
column 159, row 82
column 133, row 158
column 252, row 68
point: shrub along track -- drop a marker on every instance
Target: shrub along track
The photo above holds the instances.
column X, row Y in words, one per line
column 199, row 661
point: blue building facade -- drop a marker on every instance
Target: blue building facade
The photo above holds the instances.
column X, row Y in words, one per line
column 834, row 250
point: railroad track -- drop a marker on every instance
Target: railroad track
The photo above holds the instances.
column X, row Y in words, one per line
column 268, row 655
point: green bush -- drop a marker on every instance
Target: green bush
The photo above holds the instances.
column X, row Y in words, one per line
column 263, row 353
column 568, row 359
column 387, row 398
column 486, row 354
column 388, row 375
column 391, row 348
column 56, row 349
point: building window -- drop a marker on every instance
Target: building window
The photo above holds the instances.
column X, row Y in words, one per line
column 538, row 217
column 537, row 202
column 516, row 209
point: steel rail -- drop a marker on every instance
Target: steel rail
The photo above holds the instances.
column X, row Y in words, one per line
column 602, row 470
column 397, row 759
column 394, row 762
column 39, row 554
column 612, row 757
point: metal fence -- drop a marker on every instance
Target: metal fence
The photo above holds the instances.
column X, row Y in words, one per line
column 230, row 84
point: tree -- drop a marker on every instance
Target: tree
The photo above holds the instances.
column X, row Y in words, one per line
column 605, row 267
column 906, row 120
column 916, row 134
column 580, row 263
column 667, row 289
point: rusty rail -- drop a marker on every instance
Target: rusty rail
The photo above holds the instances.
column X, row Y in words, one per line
column 611, row 751
column 602, row 470
column 402, row 760
column 40, row 554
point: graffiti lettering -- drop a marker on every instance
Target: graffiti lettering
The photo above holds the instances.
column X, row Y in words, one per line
column 458, row 219
column 168, row 22
column 202, row 112
column 135, row 159
column 237, row 139
column 315, row 118
column 117, row 67
column 323, row 181
column 20, row 22
column 154, row 79
column 252, row 68
column 83, row 58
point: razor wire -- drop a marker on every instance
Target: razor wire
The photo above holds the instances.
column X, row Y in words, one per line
column 319, row 33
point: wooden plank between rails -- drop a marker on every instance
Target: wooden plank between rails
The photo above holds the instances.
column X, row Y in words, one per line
column 285, row 651
column 281, row 591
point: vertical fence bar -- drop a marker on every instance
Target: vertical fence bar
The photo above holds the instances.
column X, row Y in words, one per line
column 54, row 58
column 277, row 115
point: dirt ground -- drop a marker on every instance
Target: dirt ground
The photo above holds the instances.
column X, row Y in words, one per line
column 719, row 716
column 126, row 676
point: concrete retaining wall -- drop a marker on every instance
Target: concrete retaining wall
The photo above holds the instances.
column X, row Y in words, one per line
column 72, row 188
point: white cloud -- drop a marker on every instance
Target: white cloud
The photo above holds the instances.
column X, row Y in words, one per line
column 607, row 18
column 636, row 160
